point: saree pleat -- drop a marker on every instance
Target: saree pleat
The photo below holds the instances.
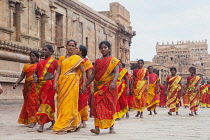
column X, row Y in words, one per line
column 162, row 96
column 203, row 92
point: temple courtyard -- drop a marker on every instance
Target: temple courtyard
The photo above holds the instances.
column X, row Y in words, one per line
column 155, row 127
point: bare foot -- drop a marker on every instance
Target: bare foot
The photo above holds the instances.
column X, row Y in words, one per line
column 61, row 133
column 195, row 113
column 191, row 114
column 138, row 113
column 155, row 112
column 31, row 125
column 41, row 128
column 117, row 119
column 169, row 113
column 150, row 113
column 111, row 130
column 84, row 125
column 95, row 131
column 127, row 115
column 78, row 129
column 177, row 113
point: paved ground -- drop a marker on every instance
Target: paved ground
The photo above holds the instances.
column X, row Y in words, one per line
column 156, row 127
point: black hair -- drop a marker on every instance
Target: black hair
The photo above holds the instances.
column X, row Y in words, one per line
column 93, row 63
column 123, row 65
column 50, row 48
column 106, row 43
column 84, row 50
column 149, row 67
column 75, row 43
column 35, row 53
column 140, row 60
column 173, row 68
column 193, row 68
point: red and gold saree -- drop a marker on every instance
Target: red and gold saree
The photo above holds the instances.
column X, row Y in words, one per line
column 45, row 91
column 83, row 97
column 153, row 97
column 193, row 96
column 203, row 93
column 122, row 103
column 140, row 84
column 185, row 97
column 162, row 96
column 208, row 97
column 29, row 108
column 105, row 100
column 174, row 93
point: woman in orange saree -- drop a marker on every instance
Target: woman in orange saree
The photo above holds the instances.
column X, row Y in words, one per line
column 29, row 108
column 83, row 97
column 203, row 93
column 140, row 87
column 123, row 91
column 153, row 96
column 185, row 97
column 193, row 83
column 105, row 72
column 173, row 89
column 44, row 79
column 70, row 69
column 162, row 94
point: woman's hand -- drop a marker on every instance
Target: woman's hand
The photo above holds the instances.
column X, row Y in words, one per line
column 112, row 85
column 35, row 79
column 55, row 86
column 15, row 85
column 84, row 88
column 127, row 92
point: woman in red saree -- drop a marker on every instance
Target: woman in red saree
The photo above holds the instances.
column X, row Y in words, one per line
column 185, row 97
column 83, row 97
column 105, row 72
column 203, row 93
column 29, row 108
column 123, row 91
column 140, row 87
column 208, row 95
column 193, row 83
column 153, row 96
column 173, row 89
column 44, row 79
column 162, row 94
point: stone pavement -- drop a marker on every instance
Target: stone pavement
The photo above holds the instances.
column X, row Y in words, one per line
column 156, row 127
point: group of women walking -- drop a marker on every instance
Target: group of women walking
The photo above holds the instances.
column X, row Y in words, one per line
column 114, row 90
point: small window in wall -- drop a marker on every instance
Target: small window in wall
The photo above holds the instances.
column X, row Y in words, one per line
column 86, row 42
column 171, row 58
column 14, row 19
column 59, row 29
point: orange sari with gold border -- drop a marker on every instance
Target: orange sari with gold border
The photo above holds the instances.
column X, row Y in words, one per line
column 185, row 97
column 140, row 96
column 193, row 96
column 203, row 93
column 29, row 108
column 83, row 97
column 105, row 101
column 45, row 92
column 174, row 93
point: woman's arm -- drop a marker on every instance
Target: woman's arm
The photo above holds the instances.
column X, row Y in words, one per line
column 182, row 88
column 113, row 83
column 127, row 84
column 90, row 78
column 56, row 77
column 132, row 83
column 83, row 78
column 23, row 74
column 166, row 90
column 35, row 77
column 147, row 78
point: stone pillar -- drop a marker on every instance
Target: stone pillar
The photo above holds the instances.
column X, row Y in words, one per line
column 52, row 8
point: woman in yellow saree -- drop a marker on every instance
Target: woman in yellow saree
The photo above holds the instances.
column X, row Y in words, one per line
column 203, row 93
column 29, row 108
column 70, row 69
column 140, row 87
column 173, row 91
column 105, row 72
column 193, row 83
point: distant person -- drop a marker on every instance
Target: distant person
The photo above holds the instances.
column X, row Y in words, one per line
column 67, row 80
column 153, row 90
column 185, row 97
column 162, row 94
column 44, row 79
column 193, row 82
column 105, row 73
column 29, row 108
column 139, row 88
column 83, row 97
column 173, row 91
column 203, row 93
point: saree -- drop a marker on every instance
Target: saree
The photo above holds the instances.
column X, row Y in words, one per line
column 83, row 97
column 68, row 117
column 105, row 100
column 122, row 103
column 162, row 96
column 140, row 96
column 185, row 97
column 193, row 96
column 208, row 97
column 203, row 93
column 29, row 108
column 174, row 93
column 45, row 92
column 153, row 97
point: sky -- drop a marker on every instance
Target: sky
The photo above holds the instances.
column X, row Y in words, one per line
column 161, row 21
